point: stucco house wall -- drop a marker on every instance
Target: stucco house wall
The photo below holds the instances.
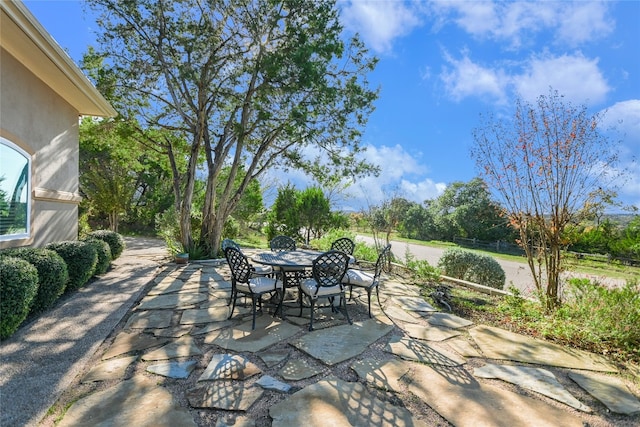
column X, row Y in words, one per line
column 42, row 96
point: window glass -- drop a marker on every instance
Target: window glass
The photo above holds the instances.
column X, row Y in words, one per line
column 15, row 183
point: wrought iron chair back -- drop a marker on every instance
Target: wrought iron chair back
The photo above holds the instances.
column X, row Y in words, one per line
column 344, row 244
column 228, row 243
column 329, row 269
column 241, row 270
column 242, row 273
column 382, row 263
column 282, row 243
column 368, row 279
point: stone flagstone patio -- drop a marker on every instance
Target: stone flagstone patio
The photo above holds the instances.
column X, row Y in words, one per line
column 177, row 361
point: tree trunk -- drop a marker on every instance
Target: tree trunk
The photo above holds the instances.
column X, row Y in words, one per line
column 186, row 237
column 113, row 221
column 553, row 276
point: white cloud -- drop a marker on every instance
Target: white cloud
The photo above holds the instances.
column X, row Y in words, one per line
column 503, row 21
column 478, row 18
column 421, row 191
column 464, row 78
column 515, row 22
column 397, row 169
column 580, row 22
column 379, row 22
column 577, row 78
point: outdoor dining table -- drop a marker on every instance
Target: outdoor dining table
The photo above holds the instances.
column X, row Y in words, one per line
column 295, row 264
column 287, row 261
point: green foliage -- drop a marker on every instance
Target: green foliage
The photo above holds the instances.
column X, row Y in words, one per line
column 324, row 242
column 455, row 262
column 103, row 251
column 107, row 164
column 604, row 316
column 231, row 228
column 52, row 274
column 362, row 252
column 84, row 228
column 606, row 238
column 314, row 212
column 250, row 203
column 472, row 267
column 196, row 252
column 421, row 268
column 593, row 317
column 487, row 271
column 114, row 240
column 168, row 228
column 18, row 288
column 418, row 223
column 467, row 210
column 339, row 220
column 81, row 259
column 283, row 218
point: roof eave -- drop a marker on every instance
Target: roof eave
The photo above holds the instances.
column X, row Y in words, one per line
column 22, row 36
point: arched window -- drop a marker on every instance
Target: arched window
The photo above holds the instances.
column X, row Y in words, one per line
column 15, row 190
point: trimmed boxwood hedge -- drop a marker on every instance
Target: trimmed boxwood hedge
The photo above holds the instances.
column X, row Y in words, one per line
column 81, row 259
column 52, row 274
column 473, row 267
column 104, row 255
column 115, row 241
column 18, row 288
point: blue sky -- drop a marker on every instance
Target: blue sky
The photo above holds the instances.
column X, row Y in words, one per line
column 443, row 63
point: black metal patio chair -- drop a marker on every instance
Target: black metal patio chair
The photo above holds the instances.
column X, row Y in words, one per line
column 282, row 243
column 365, row 279
column 326, row 282
column 345, row 245
column 244, row 282
column 258, row 270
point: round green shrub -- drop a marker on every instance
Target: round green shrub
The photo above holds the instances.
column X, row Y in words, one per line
column 81, row 259
column 486, row 271
column 52, row 275
column 455, row 262
column 18, row 288
column 115, row 241
column 104, row 255
column 473, row 267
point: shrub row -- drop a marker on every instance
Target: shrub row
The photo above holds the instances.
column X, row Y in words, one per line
column 473, row 267
column 32, row 279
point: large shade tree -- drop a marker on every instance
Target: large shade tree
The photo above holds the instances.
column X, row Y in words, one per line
column 466, row 209
column 546, row 165
column 250, row 84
